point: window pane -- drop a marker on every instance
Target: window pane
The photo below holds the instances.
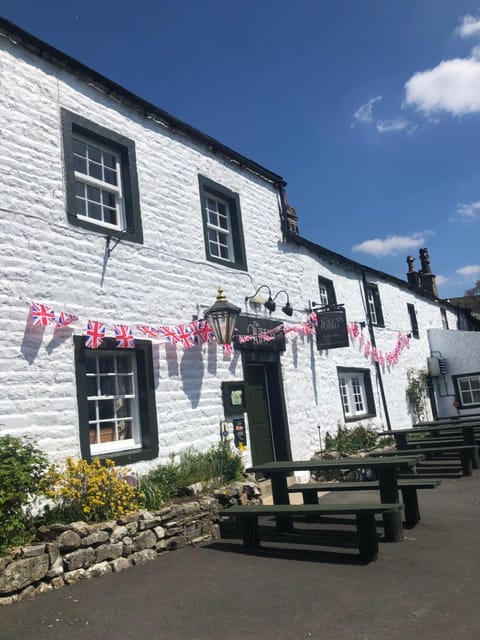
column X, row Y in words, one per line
column 224, row 252
column 476, row 396
column 110, row 216
column 124, row 428
column 92, row 410
column 105, row 409
column 92, row 386
column 94, row 211
column 94, row 153
column 110, row 176
column 95, row 170
column 124, row 409
column 463, row 385
column 90, row 362
column 79, row 147
column 107, row 432
column 107, row 385
column 109, row 160
column 93, row 193
column 106, row 364
column 124, row 385
column 124, row 364
column 475, row 383
column 213, row 219
column 80, row 164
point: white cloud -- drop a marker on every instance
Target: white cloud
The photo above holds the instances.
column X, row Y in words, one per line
column 391, row 245
column 469, row 270
column 466, row 212
column 394, row 126
column 364, row 114
column 470, row 26
column 452, row 86
column 442, row 280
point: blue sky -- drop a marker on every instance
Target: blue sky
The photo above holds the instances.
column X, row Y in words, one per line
column 370, row 109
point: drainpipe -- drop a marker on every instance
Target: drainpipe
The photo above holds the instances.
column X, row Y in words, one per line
column 377, row 364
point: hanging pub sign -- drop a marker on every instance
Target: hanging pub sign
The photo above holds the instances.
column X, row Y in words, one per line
column 258, row 334
column 331, row 329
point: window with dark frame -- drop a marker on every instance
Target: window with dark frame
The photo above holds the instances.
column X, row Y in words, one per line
column 413, row 320
column 116, row 401
column 326, row 292
column 356, row 393
column 443, row 314
column 101, row 179
column 468, row 390
column 222, row 224
column 374, row 305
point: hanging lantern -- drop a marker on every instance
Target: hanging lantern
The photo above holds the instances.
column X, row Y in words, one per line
column 222, row 317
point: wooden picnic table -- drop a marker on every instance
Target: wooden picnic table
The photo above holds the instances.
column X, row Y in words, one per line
column 387, row 470
column 465, row 428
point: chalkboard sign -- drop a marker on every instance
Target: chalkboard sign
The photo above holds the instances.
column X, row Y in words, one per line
column 331, row 329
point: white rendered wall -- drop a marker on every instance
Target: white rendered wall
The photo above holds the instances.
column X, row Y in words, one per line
column 164, row 281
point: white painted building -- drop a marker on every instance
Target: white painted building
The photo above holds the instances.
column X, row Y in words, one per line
column 117, row 212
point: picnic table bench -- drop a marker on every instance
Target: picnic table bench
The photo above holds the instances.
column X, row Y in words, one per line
column 387, row 470
column 408, row 489
column 364, row 516
column 464, row 452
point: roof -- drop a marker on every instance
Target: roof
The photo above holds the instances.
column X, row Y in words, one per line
column 45, row 51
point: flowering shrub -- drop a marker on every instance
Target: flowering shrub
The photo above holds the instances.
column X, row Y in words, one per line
column 90, row 491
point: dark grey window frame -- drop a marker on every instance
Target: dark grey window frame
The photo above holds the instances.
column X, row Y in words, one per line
column 458, row 395
column 209, row 186
column 443, row 315
column 73, row 123
column 413, row 319
column 330, row 289
column 369, row 399
column 146, row 402
column 378, row 305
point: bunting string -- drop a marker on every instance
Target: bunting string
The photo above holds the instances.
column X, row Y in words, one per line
column 387, row 358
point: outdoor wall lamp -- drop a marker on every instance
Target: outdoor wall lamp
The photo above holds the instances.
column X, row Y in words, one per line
column 270, row 303
column 222, row 317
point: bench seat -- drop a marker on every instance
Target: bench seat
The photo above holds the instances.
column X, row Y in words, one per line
column 464, row 451
column 364, row 514
column 408, row 489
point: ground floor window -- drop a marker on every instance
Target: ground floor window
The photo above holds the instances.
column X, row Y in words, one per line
column 356, row 393
column 468, row 389
column 116, row 401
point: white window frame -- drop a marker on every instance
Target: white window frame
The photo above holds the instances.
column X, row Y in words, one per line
column 353, row 393
column 116, row 190
column 217, row 229
column 323, row 293
column 372, row 307
column 134, row 442
column 467, row 380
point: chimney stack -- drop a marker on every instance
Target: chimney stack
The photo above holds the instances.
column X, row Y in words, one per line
column 423, row 279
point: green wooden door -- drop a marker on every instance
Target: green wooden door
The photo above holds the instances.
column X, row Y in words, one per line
column 259, row 415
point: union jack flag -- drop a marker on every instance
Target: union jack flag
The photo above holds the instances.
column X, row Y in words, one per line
column 201, row 331
column 95, row 334
column 42, row 315
column 169, row 335
column 150, row 332
column 227, row 348
column 124, row 336
column 185, row 336
column 65, row 318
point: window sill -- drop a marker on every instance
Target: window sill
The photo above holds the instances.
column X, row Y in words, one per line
column 358, row 417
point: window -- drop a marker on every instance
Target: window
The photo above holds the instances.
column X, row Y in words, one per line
column 116, row 401
column 468, row 390
column 356, row 393
column 222, row 225
column 327, row 292
column 101, row 179
column 374, row 305
column 413, row 320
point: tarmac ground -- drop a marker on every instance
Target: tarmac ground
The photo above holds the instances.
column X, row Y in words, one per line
column 310, row 585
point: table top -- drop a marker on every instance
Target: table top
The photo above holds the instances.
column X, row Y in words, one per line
column 426, row 428
column 284, row 466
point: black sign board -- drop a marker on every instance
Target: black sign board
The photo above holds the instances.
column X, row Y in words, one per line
column 331, row 329
column 258, row 334
column 239, row 432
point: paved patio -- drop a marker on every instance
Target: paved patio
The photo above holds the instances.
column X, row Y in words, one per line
column 427, row 587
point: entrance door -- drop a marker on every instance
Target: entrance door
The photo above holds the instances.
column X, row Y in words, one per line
column 267, row 421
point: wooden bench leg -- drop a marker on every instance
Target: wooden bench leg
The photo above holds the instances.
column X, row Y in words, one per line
column 410, row 503
column 367, row 536
column 249, row 530
column 392, row 524
column 466, row 458
column 310, row 496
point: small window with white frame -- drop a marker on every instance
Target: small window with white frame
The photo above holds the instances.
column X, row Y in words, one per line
column 222, row 224
column 326, row 292
column 468, row 390
column 116, row 401
column 374, row 305
column 356, row 393
column 101, row 180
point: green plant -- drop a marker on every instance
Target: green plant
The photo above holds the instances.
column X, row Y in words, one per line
column 348, row 441
column 90, row 491
column 417, row 392
column 22, row 466
column 217, row 466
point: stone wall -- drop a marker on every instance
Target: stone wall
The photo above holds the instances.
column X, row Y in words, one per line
column 66, row 554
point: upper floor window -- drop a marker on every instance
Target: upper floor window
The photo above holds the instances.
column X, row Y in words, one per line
column 222, row 224
column 326, row 292
column 374, row 305
column 468, row 390
column 356, row 393
column 116, row 401
column 101, row 179
column 413, row 320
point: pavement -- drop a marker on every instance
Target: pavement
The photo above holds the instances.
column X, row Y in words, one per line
column 426, row 587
